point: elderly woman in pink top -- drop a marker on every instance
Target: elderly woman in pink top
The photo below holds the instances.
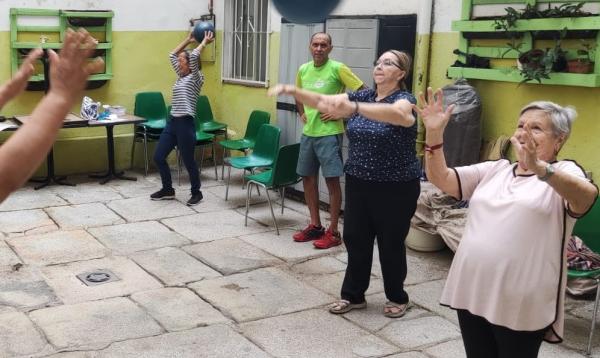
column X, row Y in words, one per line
column 508, row 276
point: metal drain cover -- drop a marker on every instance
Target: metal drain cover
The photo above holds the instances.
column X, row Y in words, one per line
column 97, row 277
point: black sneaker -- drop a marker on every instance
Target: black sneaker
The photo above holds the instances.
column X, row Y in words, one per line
column 163, row 194
column 195, row 199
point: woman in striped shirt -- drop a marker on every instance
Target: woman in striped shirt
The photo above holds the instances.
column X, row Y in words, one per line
column 180, row 130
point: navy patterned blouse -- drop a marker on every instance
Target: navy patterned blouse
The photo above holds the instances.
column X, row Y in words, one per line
column 380, row 151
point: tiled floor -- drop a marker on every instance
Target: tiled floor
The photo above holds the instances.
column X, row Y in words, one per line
column 197, row 282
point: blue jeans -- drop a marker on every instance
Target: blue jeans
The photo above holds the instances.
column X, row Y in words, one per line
column 180, row 132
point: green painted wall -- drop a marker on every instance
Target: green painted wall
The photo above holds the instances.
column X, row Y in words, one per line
column 140, row 63
column 503, row 100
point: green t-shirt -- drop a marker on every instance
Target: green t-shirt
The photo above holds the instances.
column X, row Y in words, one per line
column 331, row 78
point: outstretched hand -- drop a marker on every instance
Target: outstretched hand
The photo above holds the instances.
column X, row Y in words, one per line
column 527, row 151
column 17, row 84
column 281, row 90
column 432, row 112
column 70, row 69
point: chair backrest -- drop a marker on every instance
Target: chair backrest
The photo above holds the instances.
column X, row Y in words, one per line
column 267, row 142
column 588, row 227
column 203, row 111
column 257, row 119
column 284, row 167
column 150, row 105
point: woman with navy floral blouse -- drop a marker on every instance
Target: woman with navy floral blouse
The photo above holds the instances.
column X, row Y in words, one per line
column 382, row 178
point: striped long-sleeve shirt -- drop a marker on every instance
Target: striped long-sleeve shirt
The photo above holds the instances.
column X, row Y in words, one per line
column 186, row 88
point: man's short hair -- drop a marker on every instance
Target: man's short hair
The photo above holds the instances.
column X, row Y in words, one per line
column 321, row 33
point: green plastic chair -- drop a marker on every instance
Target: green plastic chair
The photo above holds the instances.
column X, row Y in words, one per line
column 257, row 119
column 206, row 119
column 282, row 175
column 588, row 230
column 263, row 155
column 151, row 106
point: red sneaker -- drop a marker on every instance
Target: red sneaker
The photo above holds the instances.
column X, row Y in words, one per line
column 329, row 240
column 311, row 232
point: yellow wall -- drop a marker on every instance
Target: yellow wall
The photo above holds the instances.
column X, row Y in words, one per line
column 503, row 100
column 140, row 63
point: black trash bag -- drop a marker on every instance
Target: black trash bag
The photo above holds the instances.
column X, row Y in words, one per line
column 462, row 137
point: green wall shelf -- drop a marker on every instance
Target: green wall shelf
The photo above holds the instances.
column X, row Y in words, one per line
column 24, row 37
column 472, row 29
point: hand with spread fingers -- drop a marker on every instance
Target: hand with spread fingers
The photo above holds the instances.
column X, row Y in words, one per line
column 527, row 152
column 17, row 84
column 70, row 69
column 432, row 112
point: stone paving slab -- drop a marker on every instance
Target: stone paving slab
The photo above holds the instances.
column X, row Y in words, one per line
column 413, row 354
column 93, row 325
column 262, row 214
column 428, row 295
column 8, row 258
column 24, row 220
column 143, row 209
column 237, row 195
column 57, row 247
column 25, row 289
column 372, row 317
column 75, row 355
column 209, row 203
column 450, row 349
column 62, row 278
column 86, row 193
column 259, row 294
column 129, row 238
column 420, row 331
column 230, row 256
column 577, row 331
column 173, row 266
column 424, row 270
column 315, row 333
column 559, row 351
column 213, row 225
column 27, row 198
column 321, row 265
column 216, row 341
column 83, row 216
column 19, row 337
column 178, row 309
column 332, row 283
column 284, row 247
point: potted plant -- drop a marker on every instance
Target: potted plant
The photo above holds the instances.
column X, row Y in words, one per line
column 583, row 63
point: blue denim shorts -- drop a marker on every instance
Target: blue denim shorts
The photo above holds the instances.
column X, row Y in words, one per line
column 324, row 152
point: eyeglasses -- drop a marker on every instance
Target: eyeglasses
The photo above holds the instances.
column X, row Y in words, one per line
column 386, row 63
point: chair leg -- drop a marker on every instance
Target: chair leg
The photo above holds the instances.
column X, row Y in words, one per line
column 214, row 160
column 271, row 206
column 223, row 163
column 589, row 346
column 201, row 158
column 282, row 199
column 227, row 185
column 145, row 154
column 247, row 204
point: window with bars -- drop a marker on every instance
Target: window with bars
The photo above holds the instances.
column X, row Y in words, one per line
column 246, row 42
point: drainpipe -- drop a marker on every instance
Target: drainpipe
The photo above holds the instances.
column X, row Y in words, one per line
column 210, row 7
column 424, row 40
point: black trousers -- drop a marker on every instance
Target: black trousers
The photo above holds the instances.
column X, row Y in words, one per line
column 483, row 339
column 382, row 210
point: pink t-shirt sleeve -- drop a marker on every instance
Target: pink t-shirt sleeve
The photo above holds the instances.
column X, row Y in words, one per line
column 470, row 176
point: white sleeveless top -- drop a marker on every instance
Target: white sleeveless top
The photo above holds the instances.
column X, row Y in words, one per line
column 510, row 265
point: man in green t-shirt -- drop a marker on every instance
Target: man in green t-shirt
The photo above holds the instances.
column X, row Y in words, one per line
column 321, row 143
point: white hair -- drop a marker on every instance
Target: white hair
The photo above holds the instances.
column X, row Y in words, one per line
column 561, row 117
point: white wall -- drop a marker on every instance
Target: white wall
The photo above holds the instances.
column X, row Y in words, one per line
column 130, row 15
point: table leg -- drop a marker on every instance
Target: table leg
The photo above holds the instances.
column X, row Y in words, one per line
column 50, row 177
column 111, row 173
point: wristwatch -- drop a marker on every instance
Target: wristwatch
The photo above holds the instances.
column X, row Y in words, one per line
column 549, row 172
